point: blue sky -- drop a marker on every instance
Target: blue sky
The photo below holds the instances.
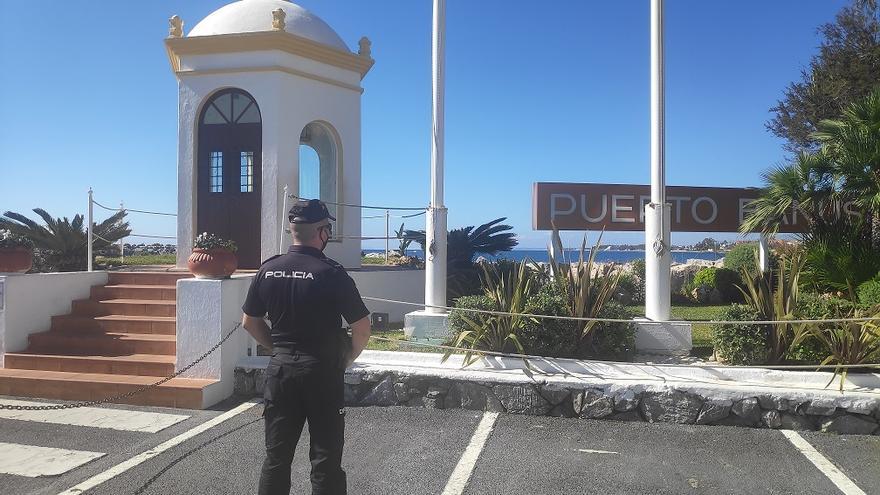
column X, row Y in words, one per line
column 549, row 91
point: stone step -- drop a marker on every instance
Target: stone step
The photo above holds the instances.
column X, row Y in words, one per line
column 136, row 364
column 102, row 344
column 163, row 325
column 179, row 392
column 147, row 292
column 147, row 278
column 127, row 307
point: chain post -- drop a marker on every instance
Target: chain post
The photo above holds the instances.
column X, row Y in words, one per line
column 90, row 232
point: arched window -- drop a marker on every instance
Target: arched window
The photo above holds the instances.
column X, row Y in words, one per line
column 231, row 107
column 319, row 164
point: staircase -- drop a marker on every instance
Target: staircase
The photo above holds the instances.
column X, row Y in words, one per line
column 123, row 337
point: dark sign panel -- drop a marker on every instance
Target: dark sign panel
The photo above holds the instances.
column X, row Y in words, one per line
column 621, row 207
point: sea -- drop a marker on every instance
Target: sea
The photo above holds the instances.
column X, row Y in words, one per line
column 617, row 256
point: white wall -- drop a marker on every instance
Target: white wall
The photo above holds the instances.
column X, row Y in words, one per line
column 287, row 102
column 206, row 311
column 398, row 284
column 31, row 300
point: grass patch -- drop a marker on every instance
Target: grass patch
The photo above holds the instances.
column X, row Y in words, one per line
column 371, row 260
column 398, row 343
column 147, row 259
column 701, row 332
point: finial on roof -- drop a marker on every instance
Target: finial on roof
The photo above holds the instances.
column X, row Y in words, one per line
column 365, row 47
column 278, row 19
column 176, row 27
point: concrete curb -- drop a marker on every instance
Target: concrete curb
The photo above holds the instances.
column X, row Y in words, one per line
column 621, row 391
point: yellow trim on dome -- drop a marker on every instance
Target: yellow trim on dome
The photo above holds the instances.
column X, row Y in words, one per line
column 266, row 40
column 270, row 68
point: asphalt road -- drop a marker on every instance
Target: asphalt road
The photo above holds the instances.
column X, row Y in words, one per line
column 415, row 451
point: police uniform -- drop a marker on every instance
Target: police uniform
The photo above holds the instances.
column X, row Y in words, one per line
column 305, row 294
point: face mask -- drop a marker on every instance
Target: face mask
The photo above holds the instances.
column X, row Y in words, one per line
column 325, row 230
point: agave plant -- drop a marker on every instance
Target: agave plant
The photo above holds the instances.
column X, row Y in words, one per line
column 509, row 290
column 851, row 343
column 65, row 241
column 774, row 296
column 404, row 241
column 586, row 287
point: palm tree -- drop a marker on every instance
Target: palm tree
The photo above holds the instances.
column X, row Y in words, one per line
column 462, row 247
column 845, row 169
column 806, row 184
column 842, row 250
column 65, row 241
column 853, row 145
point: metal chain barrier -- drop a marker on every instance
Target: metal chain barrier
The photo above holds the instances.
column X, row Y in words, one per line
column 72, row 405
column 135, row 211
column 622, row 320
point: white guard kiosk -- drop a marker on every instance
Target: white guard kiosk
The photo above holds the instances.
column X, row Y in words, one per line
column 270, row 97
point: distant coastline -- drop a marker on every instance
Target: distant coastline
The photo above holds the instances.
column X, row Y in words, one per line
column 612, row 255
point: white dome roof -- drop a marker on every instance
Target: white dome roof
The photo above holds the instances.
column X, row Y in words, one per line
column 249, row 16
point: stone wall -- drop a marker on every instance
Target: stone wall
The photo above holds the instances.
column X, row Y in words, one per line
column 615, row 402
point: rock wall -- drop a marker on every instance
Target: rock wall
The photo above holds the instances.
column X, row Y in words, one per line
column 615, row 402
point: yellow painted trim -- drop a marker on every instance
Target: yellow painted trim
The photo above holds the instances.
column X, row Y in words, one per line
column 270, row 68
column 266, row 40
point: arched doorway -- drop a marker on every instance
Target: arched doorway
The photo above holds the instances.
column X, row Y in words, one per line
column 319, row 164
column 229, row 171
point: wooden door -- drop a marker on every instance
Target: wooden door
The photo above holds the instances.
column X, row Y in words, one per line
column 229, row 173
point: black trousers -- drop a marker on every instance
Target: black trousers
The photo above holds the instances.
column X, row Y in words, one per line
column 301, row 388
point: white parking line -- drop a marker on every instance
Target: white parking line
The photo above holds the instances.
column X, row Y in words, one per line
column 592, row 451
column 33, row 461
column 145, row 456
column 831, row 471
column 94, row 417
column 465, row 468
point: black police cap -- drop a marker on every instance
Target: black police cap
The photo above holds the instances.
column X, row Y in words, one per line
column 309, row 211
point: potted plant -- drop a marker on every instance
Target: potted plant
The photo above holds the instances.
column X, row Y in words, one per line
column 16, row 252
column 212, row 257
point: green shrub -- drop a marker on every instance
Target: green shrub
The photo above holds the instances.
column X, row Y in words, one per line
column 869, row 293
column 613, row 340
column 638, row 269
column 811, row 306
column 741, row 256
column 560, row 338
column 723, row 279
column 706, row 276
column 457, row 322
column 629, row 290
column 741, row 344
column 546, row 337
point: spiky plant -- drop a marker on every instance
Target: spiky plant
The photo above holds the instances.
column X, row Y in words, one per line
column 586, row 286
column 774, row 296
column 851, row 343
column 509, row 290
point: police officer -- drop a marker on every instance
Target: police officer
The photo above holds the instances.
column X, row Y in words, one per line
column 305, row 295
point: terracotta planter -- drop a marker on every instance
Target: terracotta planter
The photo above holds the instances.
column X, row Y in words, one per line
column 16, row 260
column 212, row 263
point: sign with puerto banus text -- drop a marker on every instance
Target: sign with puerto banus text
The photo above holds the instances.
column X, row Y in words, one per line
column 621, row 207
